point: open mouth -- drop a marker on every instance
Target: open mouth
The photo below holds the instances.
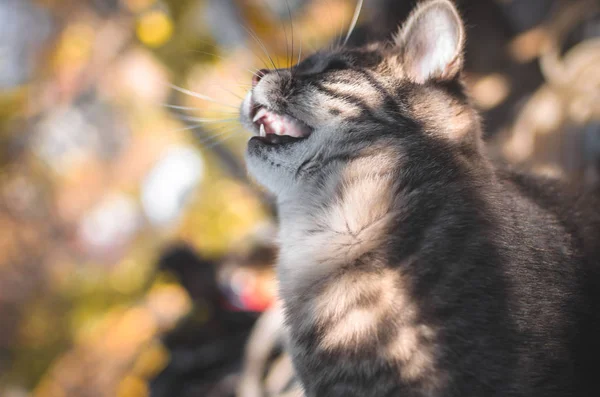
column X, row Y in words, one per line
column 275, row 128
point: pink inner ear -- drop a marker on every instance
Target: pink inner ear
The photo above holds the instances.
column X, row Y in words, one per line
column 432, row 41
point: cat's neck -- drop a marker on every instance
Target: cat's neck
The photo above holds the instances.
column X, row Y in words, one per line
column 341, row 220
column 352, row 212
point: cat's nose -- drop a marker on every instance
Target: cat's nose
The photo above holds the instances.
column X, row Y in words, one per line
column 259, row 75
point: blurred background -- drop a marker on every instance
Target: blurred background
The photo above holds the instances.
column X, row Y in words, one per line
column 136, row 254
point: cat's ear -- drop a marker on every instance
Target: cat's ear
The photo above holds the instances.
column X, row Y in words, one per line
column 432, row 42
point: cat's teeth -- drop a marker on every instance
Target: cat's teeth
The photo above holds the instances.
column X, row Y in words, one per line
column 259, row 115
column 263, row 133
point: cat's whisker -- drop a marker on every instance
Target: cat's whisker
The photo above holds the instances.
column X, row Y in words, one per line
column 261, row 44
column 229, row 114
column 183, row 129
column 217, row 135
column 199, row 96
column 287, row 47
column 218, row 138
column 220, row 141
column 359, row 6
column 292, row 28
column 310, row 43
column 167, row 105
column 299, row 54
column 251, row 71
column 204, row 120
column 237, row 95
column 232, row 93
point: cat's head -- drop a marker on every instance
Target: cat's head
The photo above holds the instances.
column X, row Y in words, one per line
column 339, row 102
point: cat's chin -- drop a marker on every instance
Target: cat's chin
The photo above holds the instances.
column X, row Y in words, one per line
column 268, row 169
column 273, row 161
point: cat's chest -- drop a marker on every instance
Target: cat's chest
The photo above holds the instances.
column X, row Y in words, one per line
column 338, row 287
column 365, row 314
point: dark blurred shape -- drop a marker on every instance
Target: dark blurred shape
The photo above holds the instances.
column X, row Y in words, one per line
column 206, row 347
column 524, row 15
column 196, row 274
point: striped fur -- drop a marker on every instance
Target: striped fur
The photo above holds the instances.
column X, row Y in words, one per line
column 410, row 265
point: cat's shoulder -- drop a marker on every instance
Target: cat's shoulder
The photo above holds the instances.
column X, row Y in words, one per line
column 570, row 201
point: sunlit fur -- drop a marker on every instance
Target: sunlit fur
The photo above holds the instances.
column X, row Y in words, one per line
column 409, row 264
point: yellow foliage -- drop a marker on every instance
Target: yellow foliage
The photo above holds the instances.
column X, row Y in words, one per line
column 154, row 28
column 132, row 386
column 75, row 46
column 151, row 361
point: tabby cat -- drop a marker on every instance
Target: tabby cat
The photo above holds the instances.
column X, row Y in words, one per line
column 409, row 264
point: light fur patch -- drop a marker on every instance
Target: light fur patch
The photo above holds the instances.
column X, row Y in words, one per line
column 445, row 116
column 354, row 224
column 346, row 291
column 413, row 351
column 347, row 326
column 351, row 331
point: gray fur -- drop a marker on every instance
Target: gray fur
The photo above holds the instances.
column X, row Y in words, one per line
column 410, row 265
